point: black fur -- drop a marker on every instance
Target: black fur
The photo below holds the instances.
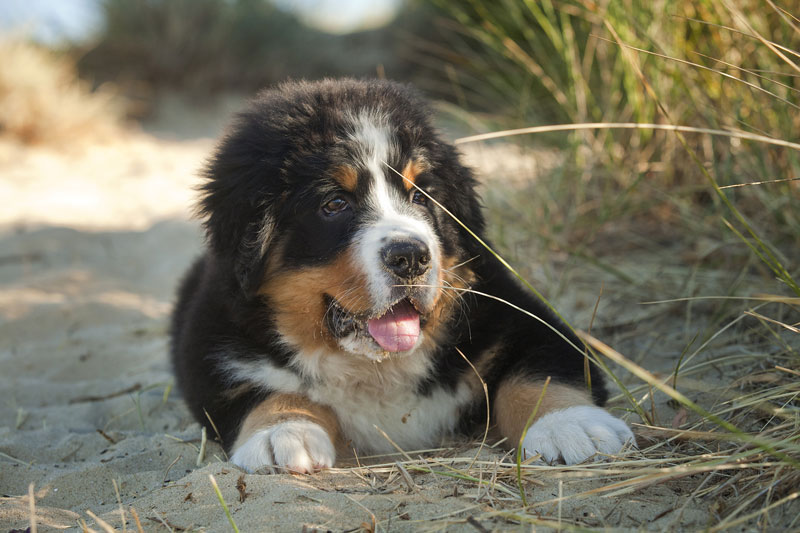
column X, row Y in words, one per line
column 273, row 164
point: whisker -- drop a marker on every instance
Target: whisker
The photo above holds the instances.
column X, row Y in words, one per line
column 513, row 306
column 461, row 264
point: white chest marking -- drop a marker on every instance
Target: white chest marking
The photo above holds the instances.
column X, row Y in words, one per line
column 411, row 420
column 366, row 394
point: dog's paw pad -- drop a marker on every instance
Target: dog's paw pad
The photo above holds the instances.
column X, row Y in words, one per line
column 576, row 434
column 297, row 446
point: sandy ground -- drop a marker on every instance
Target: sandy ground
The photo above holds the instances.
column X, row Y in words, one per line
column 92, row 242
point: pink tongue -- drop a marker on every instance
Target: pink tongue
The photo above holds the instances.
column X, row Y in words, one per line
column 398, row 329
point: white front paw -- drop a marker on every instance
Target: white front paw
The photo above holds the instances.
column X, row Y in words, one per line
column 575, row 434
column 297, row 445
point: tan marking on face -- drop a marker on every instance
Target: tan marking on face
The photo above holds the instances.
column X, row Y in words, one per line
column 516, row 399
column 347, row 177
column 457, row 273
column 283, row 408
column 413, row 169
column 449, row 296
column 298, row 298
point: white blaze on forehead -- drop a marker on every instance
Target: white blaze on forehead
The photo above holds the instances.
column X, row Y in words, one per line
column 393, row 217
column 373, row 141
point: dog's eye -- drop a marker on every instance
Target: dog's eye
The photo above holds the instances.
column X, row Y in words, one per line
column 335, row 206
column 419, row 198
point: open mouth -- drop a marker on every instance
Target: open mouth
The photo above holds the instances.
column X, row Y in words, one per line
column 395, row 330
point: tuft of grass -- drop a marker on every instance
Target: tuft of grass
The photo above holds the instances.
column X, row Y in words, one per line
column 42, row 101
column 680, row 184
column 583, row 64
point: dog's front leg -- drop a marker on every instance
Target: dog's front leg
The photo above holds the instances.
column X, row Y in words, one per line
column 567, row 425
column 287, row 431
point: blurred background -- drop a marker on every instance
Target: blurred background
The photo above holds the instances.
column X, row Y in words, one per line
column 178, row 68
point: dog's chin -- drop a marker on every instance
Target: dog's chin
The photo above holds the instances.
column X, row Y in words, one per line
column 392, row 330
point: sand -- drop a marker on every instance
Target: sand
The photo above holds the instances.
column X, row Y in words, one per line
column 93, row 240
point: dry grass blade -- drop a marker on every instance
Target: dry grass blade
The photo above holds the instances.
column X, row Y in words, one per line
column 216, row 432
column 740, row 32
column 372, row 527
column 32, row 508
column 393, row 443
column 406, row 477
column 772, row 321
column 166, row 472
column 641, row 373
column 223, row 504
column 627, row 126
column 766, row 182
column 15, row 460
column 715, row 71
column 201, row 454
column 488, row 406
column 122, row 516
column 757, row 297
column 743, row 21
column 105, row 526
column 139, row 528
column 460, row 474
column 727, row 524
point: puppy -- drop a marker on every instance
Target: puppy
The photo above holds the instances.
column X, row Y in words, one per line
column 341, row 300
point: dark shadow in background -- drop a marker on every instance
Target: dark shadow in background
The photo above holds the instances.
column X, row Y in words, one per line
column 205, row 48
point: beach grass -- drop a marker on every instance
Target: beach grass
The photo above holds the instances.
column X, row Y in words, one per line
column 677, row 202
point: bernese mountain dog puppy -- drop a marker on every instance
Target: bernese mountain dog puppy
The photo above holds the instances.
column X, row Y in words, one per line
column 341, row 301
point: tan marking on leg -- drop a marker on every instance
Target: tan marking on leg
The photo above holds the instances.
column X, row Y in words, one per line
column 298, row 298
column 516, row 399
column 347, row 177
column 413, row 169
column 283, row 408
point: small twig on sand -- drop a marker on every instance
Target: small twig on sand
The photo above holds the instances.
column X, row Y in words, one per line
column 166, row 473
column 100, row 522
column 32, row 508
column 139, row 528
column 201, row 454
column 409, row 481
column 477, row 525
column 222, row 502
column 84, row 399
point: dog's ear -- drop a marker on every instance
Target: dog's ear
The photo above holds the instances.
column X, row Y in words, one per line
column 251, row 257
column 239, row 232
column 462, row 199
column 242, row 183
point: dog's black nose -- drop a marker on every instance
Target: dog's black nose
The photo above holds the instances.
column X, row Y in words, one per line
column 407, row 258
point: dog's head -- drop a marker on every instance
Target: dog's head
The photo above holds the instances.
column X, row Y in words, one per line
column 326, row 200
